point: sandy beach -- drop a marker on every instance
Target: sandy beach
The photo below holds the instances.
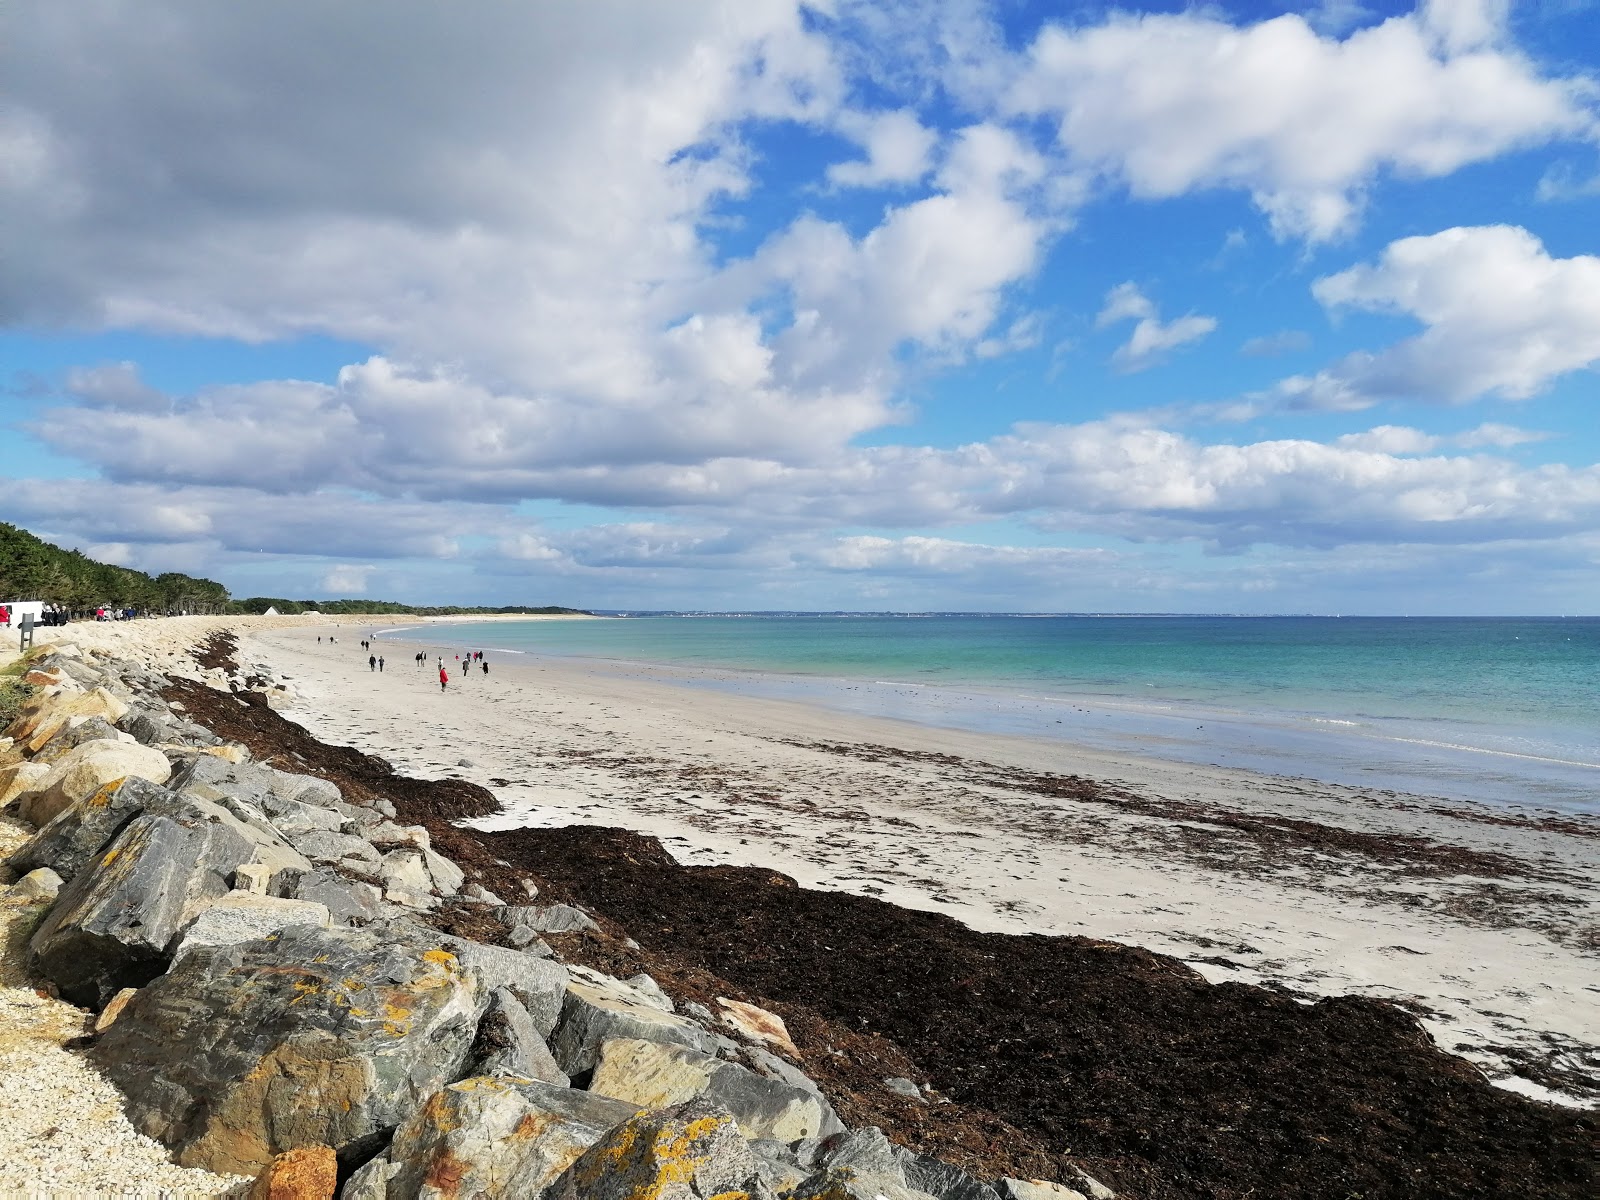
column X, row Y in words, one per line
column 1479, row 921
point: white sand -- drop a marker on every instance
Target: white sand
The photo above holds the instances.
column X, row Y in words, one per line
column 716, row 778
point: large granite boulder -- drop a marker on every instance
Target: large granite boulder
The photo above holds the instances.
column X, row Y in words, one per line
column 18, row 779
column 350, row 901
column 492, row 1137
column 539, row 984
column 115, row 924
column 655, row 1075
column 76, row 733
column 509, row 1044
column 692, row 1151
column 599, row 1009
column 49, row 712
column 245, row 917
column 83, row 771
column 77, row 833
column 940, row 1179
column 308, row 1036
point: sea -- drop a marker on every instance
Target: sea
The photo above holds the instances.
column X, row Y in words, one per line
column 1496, row 710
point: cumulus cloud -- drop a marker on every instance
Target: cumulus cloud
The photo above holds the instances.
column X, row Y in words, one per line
column 346, row 580
column 898, row 146
column 1170, row 104
column 1503, row 319
column 1152, row 338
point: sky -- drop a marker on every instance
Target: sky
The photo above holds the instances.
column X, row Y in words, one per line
column 762, row 304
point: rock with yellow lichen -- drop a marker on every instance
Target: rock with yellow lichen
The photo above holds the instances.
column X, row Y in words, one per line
column 491, row 1137
column 313, row 1035
column 653, row 1075
column 82, row 771
column 77, row 833
column 599, row 1008
column 691, row 1151
column 304, row 1173
column 115, row 924
column 80, row 731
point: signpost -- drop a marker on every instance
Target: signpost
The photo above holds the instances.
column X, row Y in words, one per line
column 26, row 633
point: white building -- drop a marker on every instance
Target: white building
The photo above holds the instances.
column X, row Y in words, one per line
column 20, row 607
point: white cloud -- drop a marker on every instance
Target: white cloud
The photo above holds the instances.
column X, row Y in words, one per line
column 1151, row 338
column 1171, row 104
column 898, row 146
column 1287, row 341
column 346, row 580
column 1503, row 318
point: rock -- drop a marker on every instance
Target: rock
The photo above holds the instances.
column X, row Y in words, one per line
column 405, row 870
column 865, row 1151
column 304, row 1173
column 115, row 924
column 647, row 987
column 18, row 779
column 902, row 1086
column 77, row 833
column 757, row 1024
column 230, row 752
column 447, row 877
column 1036, row 1189
column 341, row 849
column 766, row 1063
column 1087, row 1183
column 113, row 1009
column 78, row 732
column 496, row 1137
column 594, row 1013
column 654, row 1075
column 349, row 901
column 309, row 789
column 47, row 713
column 244, row 917
column 692, row 1151
column 147, row 726
column 508, row 1044
column 290, row 817
column 310, row 1036
column 218, row 780
column 554, row 918
column 252, row 878
column 371, row 1182
column 85, row 770
column 858, row 1165
column 539, row 984
column 41, row 884
column 837, row 1183
column 481, row 894
column 939, row 1179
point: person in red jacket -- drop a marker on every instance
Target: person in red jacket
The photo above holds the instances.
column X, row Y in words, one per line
column 444, row 678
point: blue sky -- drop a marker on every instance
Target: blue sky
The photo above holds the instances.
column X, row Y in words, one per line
column 941, row 305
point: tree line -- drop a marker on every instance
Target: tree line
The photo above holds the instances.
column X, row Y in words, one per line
column 33, row 569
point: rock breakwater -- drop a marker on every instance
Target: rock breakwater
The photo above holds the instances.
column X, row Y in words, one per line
column 287, row 975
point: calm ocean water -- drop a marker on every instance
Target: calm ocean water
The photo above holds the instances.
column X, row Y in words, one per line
column 1503, row 710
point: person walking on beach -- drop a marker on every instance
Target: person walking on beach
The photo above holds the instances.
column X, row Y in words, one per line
column 380, row 664
column 372, row 662
column 485, row 667
column 444, row 677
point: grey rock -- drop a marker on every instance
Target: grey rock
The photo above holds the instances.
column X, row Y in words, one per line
column 385, row 808
column 776, row 1162
column 1086, row 1183
column 497, row 1137
column 343, row 849
column 764, row 1062
column 540, row 985
column 842, row 1183
column 148, row 726
column 370, row 1182
column 597, row 1011
column 652, row 1074
column 508, row 1043
column 447, row 877
column 647, row 987
column 692, row 1151
column 307, row 789
column 527, row 921
column 482, row 895
column 290, row 817
column 244, row 917
column 90, row 729
column 902, row 1086
column 939, row 1179
column 77, row 833
column 865, row 1151
column 216, row 779
column 1037, row 1189
column 311, row 1035
column 348, row 901
column 115, row 924
column 41, row 884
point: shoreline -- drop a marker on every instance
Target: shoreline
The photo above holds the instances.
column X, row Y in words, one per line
column 1245, row 877
column 1546, row 768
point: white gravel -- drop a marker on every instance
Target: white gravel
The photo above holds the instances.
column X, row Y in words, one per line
column 62, row 1128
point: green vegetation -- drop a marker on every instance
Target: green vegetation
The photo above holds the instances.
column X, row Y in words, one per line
column 33, row 569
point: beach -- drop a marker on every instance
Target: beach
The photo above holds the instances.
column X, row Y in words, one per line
column 1477, row 920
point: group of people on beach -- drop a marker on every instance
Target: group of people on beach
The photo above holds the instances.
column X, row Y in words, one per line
column 465, row 661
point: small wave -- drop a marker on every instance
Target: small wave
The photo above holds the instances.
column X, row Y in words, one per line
column 1544, row 758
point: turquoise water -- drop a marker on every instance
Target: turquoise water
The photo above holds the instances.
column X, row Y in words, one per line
column 1499, row 709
